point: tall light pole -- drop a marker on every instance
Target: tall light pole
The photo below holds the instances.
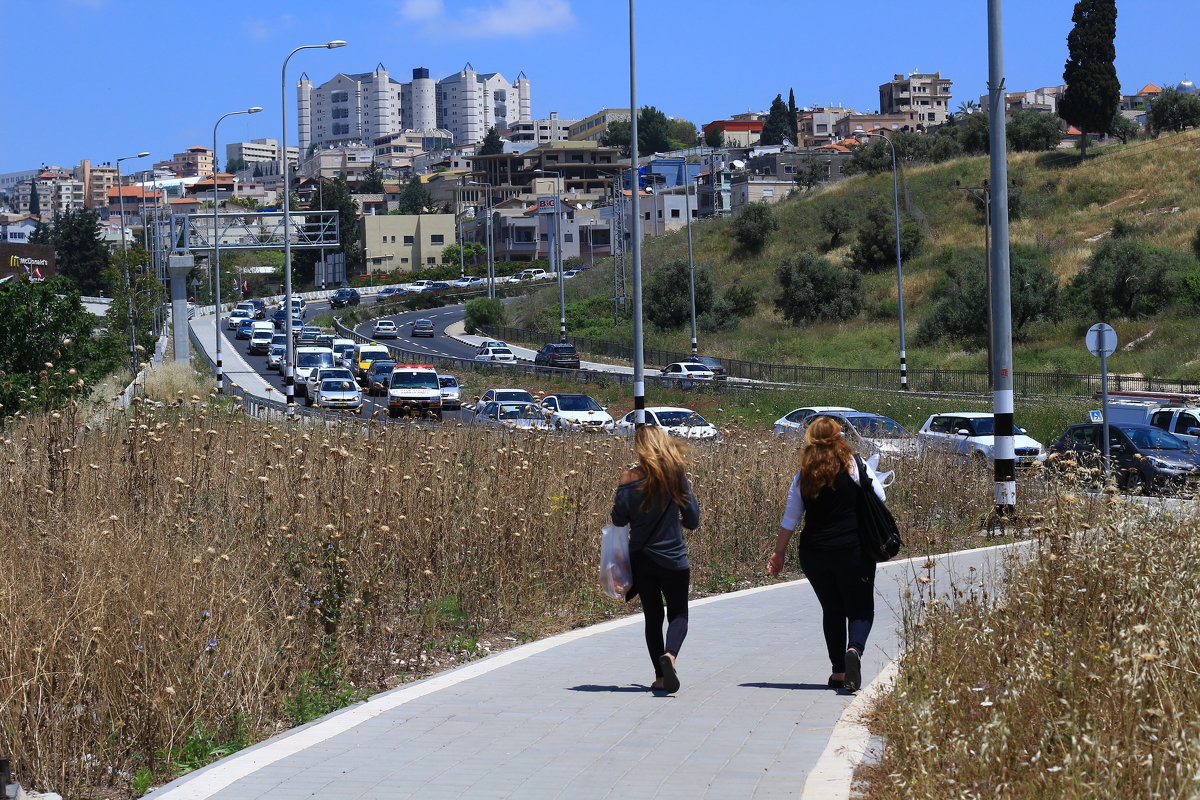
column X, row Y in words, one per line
column 557, row 251
column 290, row 356
column 687, row 213
column 133, row 362
column 462, row 269
column 217, row 245
column 899, row 265
column 639, row 361
column 487, row 232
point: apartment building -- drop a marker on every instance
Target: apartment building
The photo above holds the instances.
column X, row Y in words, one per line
column 736, row 132
column 593, row 127
column 398, row 150
column 58, row 192
column 540, row 131
column 191, row 163
column 816, row 125
column 405, row 242
column 97, row 180
column 847, row 126
column 927, row 94
column 583, row 171
column 349, row 160
column 1041, row 99
column 259, row 151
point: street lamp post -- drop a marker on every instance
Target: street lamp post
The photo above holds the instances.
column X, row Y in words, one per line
column 487, row 232
column 290, row 356
column 899, row 265
column 556, row 243
column 462, row 269
column 133, row 362
column 639, row 361
column 687, row 213
column 217, row 246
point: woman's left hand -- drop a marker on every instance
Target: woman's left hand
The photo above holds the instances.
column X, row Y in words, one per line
column 774, row 564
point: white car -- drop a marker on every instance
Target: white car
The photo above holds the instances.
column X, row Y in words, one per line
column 310, row 359
column 681, row 422
column 318, row 376
column 569, row 411
column 236, row 316
column 495, row 354
column 417, row 286
column 340, row 394
column 971, row 434
column 571, row 273
column 794, row 422
column 385, row 329
column 468, row 282
column 275, row 356
column 504, row 396
column 874, row 433
column 451, row 392
column 682, row 373
column 515, row 416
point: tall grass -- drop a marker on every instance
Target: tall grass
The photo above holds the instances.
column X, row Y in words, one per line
column 186, row 579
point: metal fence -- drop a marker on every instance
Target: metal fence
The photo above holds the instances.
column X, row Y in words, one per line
column 956, row 381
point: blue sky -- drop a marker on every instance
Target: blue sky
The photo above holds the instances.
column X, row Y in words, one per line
column 100, row 79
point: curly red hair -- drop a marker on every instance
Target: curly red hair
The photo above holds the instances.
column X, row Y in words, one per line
column 825, row 454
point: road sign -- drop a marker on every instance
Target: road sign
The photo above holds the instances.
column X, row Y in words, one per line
column 1096, row 416
column 1101, row 340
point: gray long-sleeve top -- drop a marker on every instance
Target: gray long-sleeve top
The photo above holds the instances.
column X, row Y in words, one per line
column 656, row 531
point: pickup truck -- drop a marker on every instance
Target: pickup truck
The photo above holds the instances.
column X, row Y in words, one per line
column 1183, row 421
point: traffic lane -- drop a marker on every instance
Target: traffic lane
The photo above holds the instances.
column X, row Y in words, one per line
column 437, row 345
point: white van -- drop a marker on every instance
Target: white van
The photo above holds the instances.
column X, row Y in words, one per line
column 307, row 360
column 343, row 352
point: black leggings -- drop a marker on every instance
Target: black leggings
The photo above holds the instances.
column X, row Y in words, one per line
column 845, row 584
column 654, row 583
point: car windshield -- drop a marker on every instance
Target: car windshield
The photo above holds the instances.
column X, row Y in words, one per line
column 448, row 382
column 414, row 379
column 336, row 372
column 580, row 403
column 267, row 335
column 337, row 385
column 671, row 419
column 1154, row 439
column 278, row 349
column 380, row 365
column 371, row 355
column 314, row 360
column 878, row 428
column 342, row 349
column 517, row 411
column 515, row 395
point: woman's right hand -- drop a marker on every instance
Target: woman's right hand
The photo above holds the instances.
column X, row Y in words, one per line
column 774, row 564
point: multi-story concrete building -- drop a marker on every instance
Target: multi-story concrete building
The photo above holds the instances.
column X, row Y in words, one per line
column 1042, row 99
column 593, row 127
column 58, row 192
column 405, row 242
column 587, row 170
column 16, row 228
column 926, row 94
column 192, row 163
column 816, row 125
column 847, row 126
column 97, row 180
column 398, row 150
column 540, row 131
column 366, row 106
column 259, row 151
column 736, row 132
column 349, row 160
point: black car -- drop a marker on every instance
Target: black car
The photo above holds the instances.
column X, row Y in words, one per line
column 422, row 327
column 1144, row 458
column 379, row 377
column 717, row 368
column 557, row 354
column 260, row 308
column 344, row 297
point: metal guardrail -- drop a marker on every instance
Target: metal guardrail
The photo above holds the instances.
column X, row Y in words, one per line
column 951, row 381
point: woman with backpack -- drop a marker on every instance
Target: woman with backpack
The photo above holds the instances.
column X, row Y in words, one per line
column 826, row 492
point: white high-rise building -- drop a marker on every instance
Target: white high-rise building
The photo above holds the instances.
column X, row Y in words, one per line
column 366, row 106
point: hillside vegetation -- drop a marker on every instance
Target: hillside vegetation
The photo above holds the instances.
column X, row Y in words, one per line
column 1134, row 204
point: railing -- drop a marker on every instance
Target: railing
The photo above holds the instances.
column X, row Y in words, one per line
column 956, row 381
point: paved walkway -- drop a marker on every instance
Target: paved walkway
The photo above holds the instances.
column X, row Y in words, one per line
column 570, row 717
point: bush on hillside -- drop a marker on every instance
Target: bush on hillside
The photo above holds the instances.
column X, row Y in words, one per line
column 1196, row 242
column 961, row 312
column 481, row 311
column 876, row 247
column 812, row 288
column 728, row 311
column 667, row 301
column 753, row 226
column 1128, row 278
column 837, row 220
column 1033, row 131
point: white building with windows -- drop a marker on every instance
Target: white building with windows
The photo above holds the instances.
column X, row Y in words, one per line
column 927, row 94
column 259, row 151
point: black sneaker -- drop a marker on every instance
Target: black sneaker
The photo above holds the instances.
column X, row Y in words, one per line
column 853, row 671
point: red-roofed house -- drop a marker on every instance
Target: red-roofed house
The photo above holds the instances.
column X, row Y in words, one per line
column 1142, row 100
column 735, row 132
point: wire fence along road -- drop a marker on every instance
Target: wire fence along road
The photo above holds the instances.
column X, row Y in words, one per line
column 956, row 381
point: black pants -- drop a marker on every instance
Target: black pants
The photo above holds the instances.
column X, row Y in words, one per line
column 845, row 584
column 655, row 583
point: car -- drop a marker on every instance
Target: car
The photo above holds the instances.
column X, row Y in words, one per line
column 495, row 354
column 344, row 297
column 491, row 343
column 422, row 327
column 260, row 308
column 362, row 358
column 794, row 422
column 416, row 287
column 317, row 375
column 683, row 373
column 385, row 329
column 468, row 282
column 872, row 434
column 503, row 396
column 571, row 273
column 343, row 349
column 260, row 342
column 236, row 316
column 389, row 293
column 309, row 359
column 278, row 338
column 716, row 367
column 970, row 434
column 566, row 410
column 306, row 334
column 451, row 392
column 438, row 286
column 515, row 416
column 1145, row 459
column 325, row 340
column 279, row 318
column 681, row 422
column 414, row 389
column 245, row 327
column 246, row 305
column 557, row 354
column 275, row 356
column 379, row 376
column 339, row 394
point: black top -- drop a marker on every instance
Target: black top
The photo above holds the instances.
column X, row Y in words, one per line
column 831, row 519
column 656, row 531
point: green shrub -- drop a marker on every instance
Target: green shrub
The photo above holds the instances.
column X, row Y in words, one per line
column 875, row 249
column 480, row 311
column 1128, row 278
column 668, row 300
column 812, row 288
column 753, row 226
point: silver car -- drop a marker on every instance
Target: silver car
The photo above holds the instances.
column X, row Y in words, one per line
column 275, row 356
column 513, row 416
column 339, row 394
column 451, row 393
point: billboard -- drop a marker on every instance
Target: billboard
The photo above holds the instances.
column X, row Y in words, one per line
column 32, row 262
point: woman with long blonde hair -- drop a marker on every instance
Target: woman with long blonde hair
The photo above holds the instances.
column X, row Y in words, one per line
column 826, row 492
column 656, row 501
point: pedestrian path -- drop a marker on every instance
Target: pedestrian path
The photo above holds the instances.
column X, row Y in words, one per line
column 236, row 369
column 570, row 716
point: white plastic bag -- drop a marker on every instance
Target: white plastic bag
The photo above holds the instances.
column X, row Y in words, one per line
column 885, row 478
column 616, row 574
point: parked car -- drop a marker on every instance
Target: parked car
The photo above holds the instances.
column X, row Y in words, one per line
column 389, row 293
column 451, row 392
column 236, row 316
column 422, row 327
column 683, row 373
column 1145, row 459
column 344, row 297
column 971, row 434
column 275, row 356
column 438, row 286
column 557, row 354
column 385, row 329
column 716, row 367
column 316, row 376
column 340, row 394
column 260, row 343
column 379, row 377
column 576, row 411
column 495, row 354
column 794, row 422
column 244, row 328
column 517, row 416
column 504, row 396
column 875, row 433
column 682, row 422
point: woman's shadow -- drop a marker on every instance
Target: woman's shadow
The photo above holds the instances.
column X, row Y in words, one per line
column 789, row 686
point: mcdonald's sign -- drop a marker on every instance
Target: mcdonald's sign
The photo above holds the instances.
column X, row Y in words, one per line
column 31, row 262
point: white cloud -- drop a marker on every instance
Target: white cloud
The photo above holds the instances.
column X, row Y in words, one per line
column 513, row 18
column 421, row 10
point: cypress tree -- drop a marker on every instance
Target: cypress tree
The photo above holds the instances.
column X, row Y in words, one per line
column 491, row 145
column 793, row 120
column 35, row 202
column 1093, row 92
column 776, row 128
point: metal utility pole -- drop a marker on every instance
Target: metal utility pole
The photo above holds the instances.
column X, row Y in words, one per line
column 687, row 213
column 639, row 363
column 1005, row 494
column 133, row 360
column 986, row 199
